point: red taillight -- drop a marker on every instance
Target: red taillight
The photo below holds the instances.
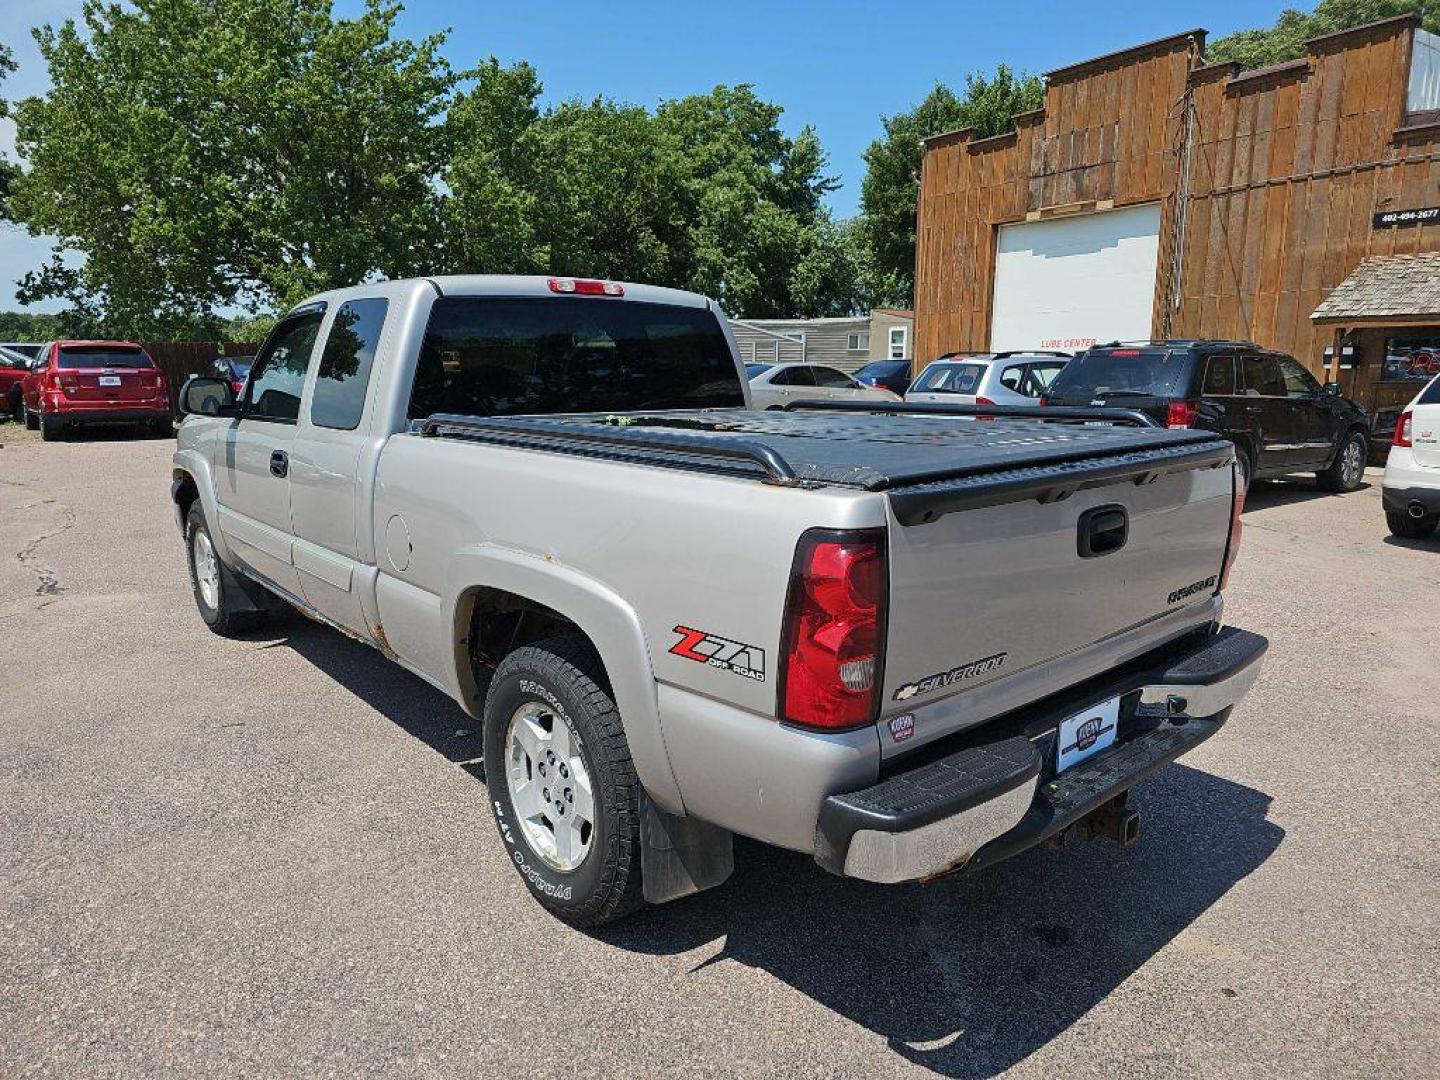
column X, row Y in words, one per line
column 238, row 386
column 1123, row 352
column 983, row 401
column 1402, row 429
column 1237, row 527
column 833, row 643
column 1180, row 414
column 586, row 286
column 1044, row 400
column 50, row 379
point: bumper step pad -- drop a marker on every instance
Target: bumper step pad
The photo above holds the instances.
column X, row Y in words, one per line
column 911, row 800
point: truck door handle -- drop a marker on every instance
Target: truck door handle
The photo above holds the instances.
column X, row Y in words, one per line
column 1102, row 530
column 1252, row 410
column 279, row 463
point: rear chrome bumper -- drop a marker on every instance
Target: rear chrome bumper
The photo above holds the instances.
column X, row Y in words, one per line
column 997, row 794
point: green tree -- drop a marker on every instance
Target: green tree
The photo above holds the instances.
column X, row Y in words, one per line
column 706, row 193
column 8, row 171
column 892, row 167
column 200, row 153
column 1285, row 40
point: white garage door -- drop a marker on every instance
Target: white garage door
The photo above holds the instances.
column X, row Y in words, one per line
column 1068, row 283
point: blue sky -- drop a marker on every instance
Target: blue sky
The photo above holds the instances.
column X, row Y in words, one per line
column 837, row 66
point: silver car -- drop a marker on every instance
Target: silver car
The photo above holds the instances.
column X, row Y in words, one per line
column 1006, row 378
column 773, row 385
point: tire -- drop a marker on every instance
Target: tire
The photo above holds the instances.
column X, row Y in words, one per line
column 1403, row 525
column 161, row 429
column 32, row 421
column 1347, row 471
column 50, row 429
column 216, row 589
column 17, row 407
column 545, row 698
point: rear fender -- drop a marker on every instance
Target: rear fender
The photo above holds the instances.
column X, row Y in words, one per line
column 602, row 615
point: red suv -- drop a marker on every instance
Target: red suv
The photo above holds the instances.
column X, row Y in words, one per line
column 73, row 383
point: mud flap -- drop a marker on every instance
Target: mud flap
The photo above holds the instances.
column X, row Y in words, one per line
column 681, row 855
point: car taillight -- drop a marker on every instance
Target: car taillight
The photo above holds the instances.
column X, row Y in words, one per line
column 983, row 401
column 1402, row 429
column 1180, row 414
column 833, row 644
column 50, row 379
column 1044, row 400
column 586, row 287
column 1237, row 528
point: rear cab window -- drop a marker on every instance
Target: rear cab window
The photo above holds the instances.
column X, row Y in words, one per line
column 1125, row 372
column 103, row 356
column 514, row 356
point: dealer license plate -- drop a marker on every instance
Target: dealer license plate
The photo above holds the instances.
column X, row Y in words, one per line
column 109, row 380
column 1086, row 733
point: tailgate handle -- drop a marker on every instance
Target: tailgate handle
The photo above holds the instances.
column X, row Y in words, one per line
column 1103, row 529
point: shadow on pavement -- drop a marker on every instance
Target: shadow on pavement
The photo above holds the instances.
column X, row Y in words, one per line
column 965, row 975
column 1269, row 494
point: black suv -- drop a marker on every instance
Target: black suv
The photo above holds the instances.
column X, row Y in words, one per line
column 1280, row 419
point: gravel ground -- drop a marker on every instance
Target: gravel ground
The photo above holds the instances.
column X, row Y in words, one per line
column 273, row 855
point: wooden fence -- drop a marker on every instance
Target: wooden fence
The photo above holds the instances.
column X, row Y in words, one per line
column 181, row 359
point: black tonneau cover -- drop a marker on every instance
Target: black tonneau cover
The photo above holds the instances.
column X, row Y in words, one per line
column 929, row 465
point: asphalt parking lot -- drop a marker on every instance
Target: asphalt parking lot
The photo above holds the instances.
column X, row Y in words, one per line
column 274, row 856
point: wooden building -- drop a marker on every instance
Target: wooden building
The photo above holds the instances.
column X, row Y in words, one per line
column 1157, row 196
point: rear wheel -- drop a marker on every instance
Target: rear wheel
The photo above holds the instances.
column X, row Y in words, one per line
column 1403, row 525
column 216, row 589
column 50, row 427
column 17, row 406
column 1348, row 468
column 32, row 421
column 562, row 785
column 1242, row 469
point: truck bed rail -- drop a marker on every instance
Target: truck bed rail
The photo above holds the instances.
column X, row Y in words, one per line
column 1053, row 413
column 620, row 443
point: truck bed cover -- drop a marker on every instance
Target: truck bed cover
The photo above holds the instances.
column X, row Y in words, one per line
column 928, row 464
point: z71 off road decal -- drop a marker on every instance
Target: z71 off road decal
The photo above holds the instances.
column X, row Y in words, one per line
column 719, row 652
column 931, row 683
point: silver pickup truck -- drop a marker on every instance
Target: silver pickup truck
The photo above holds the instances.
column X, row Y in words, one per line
column 904, row 639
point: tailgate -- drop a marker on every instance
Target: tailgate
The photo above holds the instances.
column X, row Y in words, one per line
column 1025, row 588
column 1425, row 433
column 121, row 385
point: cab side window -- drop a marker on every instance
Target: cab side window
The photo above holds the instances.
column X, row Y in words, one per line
column 1299, row 383
column 344, row 375
column 795, row 376
column 1261, row 376
column 1219, row 376
column 278, row 377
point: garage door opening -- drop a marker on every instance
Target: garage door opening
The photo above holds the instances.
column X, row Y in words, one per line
column 1070, row 282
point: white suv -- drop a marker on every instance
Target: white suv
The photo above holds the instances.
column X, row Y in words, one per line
column 1005, row 378
column 1412, row 471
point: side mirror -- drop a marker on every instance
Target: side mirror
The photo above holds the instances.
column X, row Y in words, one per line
column 204, row 396
column 1332, row 389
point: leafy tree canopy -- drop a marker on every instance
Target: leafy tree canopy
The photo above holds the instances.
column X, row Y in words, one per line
column 887, row 195
column 201, row 153
column 1285, row 40
column 207, row 154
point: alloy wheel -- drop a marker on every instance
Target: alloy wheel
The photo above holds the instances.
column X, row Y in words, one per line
column 207, row 569
column 549, row 786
